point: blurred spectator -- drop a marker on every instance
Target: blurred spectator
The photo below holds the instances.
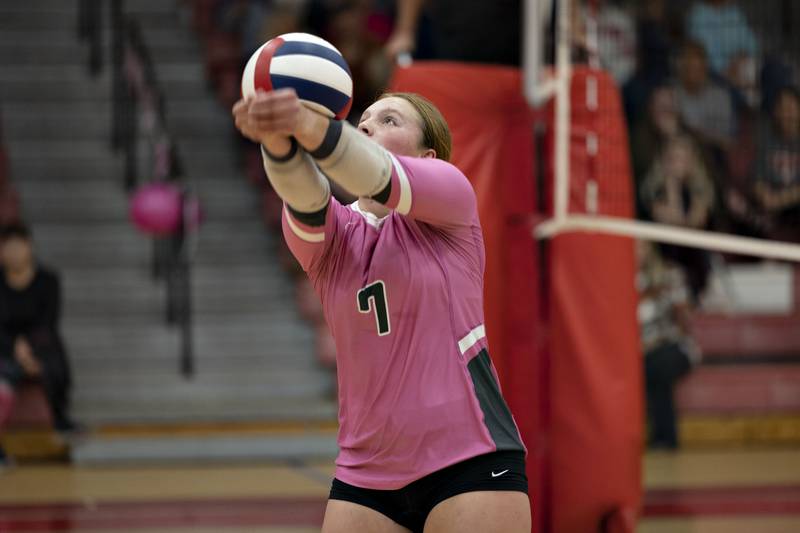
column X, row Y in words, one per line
column 653, row 131
column 776, row 183
column 704, row 106
column 722, row 29
column 30, row 343
column 775, row 75
column 474, row 31
column 616, row 39
column 669, row 351
column 359, row 31
column 265, row 19
column 653, row 49
column 678, row 191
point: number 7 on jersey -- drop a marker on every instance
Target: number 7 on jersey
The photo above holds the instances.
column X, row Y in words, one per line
column 373, row 297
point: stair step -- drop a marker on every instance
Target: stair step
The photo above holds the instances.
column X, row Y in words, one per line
column 84, row 289
column 113, row 409
column 173, row 449
column 16, row 48
column 741, row 389
column 740, row 430
column 289, row 349
column 178, row 75
column 105, row 167
column 62, row 19
column 89, row 120
column 164, row 381
column 98, row 206
column 33, row 86
column 82, row 153
column 61, row 7
column 102, row 168
column 107, row 364
column 137, row 253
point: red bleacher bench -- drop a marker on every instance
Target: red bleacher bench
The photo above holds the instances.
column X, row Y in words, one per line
column 30, row 408
column 741, row 389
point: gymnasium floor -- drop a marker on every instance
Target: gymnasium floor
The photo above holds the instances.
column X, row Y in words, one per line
column 697, row 492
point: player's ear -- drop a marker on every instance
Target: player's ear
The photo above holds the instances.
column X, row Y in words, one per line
column 428, row 153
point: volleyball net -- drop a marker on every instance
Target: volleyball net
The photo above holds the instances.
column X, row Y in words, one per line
column 674, row 122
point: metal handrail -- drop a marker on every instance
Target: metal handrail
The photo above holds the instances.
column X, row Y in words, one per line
column 90, row 28
column 139, row 114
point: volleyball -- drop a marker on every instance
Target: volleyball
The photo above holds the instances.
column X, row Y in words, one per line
column 310, row 65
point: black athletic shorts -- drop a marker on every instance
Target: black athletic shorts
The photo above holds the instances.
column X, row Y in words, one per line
column 410, row 505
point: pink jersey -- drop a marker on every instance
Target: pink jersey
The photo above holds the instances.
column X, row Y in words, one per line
column 403, row 297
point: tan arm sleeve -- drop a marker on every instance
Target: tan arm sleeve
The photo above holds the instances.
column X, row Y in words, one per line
column 297, row 180
column 356, row 162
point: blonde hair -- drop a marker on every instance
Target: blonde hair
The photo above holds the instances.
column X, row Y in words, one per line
column 435, row 131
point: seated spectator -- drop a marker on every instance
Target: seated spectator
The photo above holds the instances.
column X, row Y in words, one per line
column 776, row 182
column 705, row 107
column 660, row 124
column 30, row 343
column 616, row 39
column 732, row 48
column 678, row 191
column 669, row 351
column 653, row 44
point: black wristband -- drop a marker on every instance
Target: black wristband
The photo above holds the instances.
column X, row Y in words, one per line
column 383, row 196
column 315, row 219
column 283, row 158
column 332, row 136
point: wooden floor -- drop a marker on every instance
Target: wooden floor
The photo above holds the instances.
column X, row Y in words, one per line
column 690, row 492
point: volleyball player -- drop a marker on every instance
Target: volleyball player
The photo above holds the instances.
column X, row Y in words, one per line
column 427, row 442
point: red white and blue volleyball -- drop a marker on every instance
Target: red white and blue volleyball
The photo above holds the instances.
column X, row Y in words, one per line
column 310, row 65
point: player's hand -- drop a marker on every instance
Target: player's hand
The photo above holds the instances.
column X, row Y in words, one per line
column 399, row 44
column 23, row 353
column 268, row 114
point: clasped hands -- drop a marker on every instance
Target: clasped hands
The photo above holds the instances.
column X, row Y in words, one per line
column 23, row 353
column 271, row 118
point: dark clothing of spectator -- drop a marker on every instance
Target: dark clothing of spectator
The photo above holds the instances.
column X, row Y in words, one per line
column 652, row 67
column 708, row 111
column 33, row 314
column 669, row 351
column 664, row 366
column 477, row 31
column 778, row 175
column 778, row 160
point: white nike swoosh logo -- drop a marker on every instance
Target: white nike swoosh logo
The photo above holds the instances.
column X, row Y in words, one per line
column 499, row 473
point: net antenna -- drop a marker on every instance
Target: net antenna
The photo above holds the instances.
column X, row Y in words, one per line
column 542, row 84
column 539, row 86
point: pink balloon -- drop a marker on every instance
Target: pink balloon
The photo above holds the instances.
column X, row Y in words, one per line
column 155, row 208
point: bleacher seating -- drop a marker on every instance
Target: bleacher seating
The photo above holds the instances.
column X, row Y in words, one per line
column 27, row 432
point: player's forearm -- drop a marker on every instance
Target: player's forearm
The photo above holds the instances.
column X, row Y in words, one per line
column 294, row 176
column 351, row 159
column 408, row 12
